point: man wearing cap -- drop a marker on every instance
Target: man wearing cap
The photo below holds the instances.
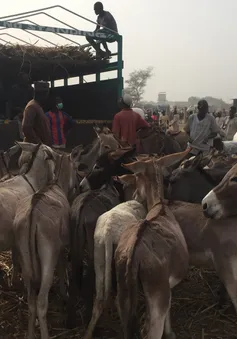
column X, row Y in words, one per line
column 35, row 125
column 105, row 20
column 202, row 129
column 127, row 122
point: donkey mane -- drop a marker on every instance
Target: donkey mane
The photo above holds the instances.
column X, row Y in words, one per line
column 206, row 175
column 37, row 196
column 32, row 159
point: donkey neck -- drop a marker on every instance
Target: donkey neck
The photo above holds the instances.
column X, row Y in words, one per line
column 63, row 181
column 38, row 173
column 154, row 189
column 91, row 157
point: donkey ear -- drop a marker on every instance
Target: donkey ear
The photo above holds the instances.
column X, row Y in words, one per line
column 26, row 146
column 13, row 150
column 142, row 157
column 76, row 152
column 106, row 130
column 97, row 130
column 119, row 152
column 136, row 166
column 172, row 159
column 128, row 179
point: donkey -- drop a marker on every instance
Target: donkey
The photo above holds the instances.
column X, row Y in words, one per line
column 99, row 196
column 192, row 223
column 109, row 228
column 85, row 157
column 154, row 140
column 190, row 182
column 36, row 161
column 41, row 229
column 221, row 233
column 181, row 138
column 106, row 169
column 152, row 251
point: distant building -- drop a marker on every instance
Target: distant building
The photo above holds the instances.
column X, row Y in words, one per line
column 162, row 97
column 235, row 103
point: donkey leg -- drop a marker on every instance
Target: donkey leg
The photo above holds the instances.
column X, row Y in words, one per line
column 71, row 304
column 32, row 311
column 227, row 272
column 99, row 302
column 223, row 295
column 62, row 274
column 88, row 289
column 15, row 268
column 96, row 313
column 168, row 332
column 47, row 272
column 158, row 304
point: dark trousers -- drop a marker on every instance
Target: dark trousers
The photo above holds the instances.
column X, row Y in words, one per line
column 95, row 43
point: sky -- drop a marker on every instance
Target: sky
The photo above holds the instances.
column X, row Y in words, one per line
column 190, row 43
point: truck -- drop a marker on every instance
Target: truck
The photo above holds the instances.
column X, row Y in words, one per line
column 87, row 102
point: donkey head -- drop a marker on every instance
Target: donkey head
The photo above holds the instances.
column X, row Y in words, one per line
column 107, row 166
column 41, row 153
column 220, row 202
column 149, row 175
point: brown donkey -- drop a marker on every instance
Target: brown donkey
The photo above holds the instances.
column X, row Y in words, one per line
column 41, row 228
column 153, row 252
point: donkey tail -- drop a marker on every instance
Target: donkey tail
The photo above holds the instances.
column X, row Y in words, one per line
column 77, row 235
column 128, row 284
column 34, row 269
column 108, row 266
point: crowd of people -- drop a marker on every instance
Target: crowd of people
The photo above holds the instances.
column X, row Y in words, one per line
column 202, row 127
column 52, row 126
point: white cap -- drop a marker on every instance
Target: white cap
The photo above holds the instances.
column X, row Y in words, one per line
column 127, row 99
column 139, row 111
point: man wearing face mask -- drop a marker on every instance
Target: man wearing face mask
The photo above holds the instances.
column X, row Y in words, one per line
column 60, row 122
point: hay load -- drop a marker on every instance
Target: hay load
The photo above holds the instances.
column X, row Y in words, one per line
column 33, row 53
column 47, row 63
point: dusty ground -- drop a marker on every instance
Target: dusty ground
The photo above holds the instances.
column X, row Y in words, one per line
column 195, row 313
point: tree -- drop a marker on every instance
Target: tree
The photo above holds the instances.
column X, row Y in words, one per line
column 137, row 83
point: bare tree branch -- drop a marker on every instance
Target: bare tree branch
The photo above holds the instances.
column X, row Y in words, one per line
column 137, row 83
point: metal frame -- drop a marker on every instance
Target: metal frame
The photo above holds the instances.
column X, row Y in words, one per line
column 7, row 22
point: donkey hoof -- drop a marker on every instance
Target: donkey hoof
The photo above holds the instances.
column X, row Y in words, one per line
column 171, row 335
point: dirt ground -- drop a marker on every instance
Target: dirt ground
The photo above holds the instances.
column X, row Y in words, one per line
column 195, row 312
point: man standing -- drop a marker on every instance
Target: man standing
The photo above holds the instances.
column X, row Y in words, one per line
column 174, row 124
column 35, row 124
column 60, row 122
column 202, row 129
column 230, row 124
column 164, row 121
column 106, row 20
column 127, row 122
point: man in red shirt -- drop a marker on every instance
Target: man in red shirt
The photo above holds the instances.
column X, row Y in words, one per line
column 127, row 122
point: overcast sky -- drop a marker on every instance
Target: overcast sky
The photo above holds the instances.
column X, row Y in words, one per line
column 190, row 43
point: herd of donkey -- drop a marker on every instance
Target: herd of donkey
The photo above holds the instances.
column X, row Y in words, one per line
column 140, row 221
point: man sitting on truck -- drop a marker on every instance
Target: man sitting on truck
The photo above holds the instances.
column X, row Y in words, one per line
column 105, row 20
